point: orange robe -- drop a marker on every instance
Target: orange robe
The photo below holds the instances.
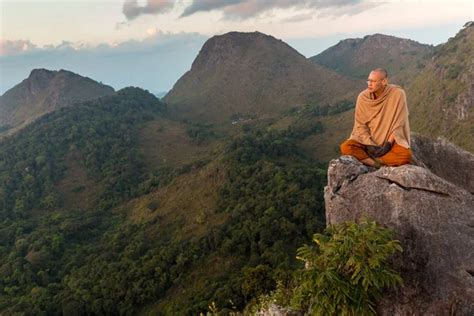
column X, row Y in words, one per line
column 375, row 121
column 397, row 156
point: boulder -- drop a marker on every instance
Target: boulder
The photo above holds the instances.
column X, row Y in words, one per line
column 431, row 213
column 444, row 159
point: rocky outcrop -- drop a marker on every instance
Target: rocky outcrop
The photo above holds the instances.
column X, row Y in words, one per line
column 432, row 214
column 444, row 159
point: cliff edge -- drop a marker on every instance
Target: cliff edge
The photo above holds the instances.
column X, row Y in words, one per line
column 430, row 206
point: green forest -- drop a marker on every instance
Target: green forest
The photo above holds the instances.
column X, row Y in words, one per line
column 57, row 258
column 61, row 260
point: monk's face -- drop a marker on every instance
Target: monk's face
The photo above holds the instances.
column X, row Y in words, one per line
column 376, row 82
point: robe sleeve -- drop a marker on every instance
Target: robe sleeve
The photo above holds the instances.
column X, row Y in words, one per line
column 361, row 132
column 400, row 129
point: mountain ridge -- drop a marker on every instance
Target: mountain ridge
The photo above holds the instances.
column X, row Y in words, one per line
column 253, row 75
column 45, row 91
column 355, row 57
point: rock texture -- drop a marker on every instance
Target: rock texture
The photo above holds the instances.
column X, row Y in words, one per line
column 444, row 159
column 431, row 216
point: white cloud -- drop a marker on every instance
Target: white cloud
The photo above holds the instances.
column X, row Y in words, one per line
column 15, row 47
column 154, row 63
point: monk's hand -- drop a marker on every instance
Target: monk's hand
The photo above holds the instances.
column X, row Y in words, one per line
column 372, row 150
column 379, row 151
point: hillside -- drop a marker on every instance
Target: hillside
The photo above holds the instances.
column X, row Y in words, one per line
column 442, row 95
column 355, row 57
column 90, row 205
column 42, row 92
column 253, row 76
column 125, row 204
column 440, row 91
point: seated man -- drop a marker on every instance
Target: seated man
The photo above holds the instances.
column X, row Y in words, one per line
column 381, row 133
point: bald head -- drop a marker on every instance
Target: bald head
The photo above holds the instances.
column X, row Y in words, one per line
column 377, row 81
column 383, row 72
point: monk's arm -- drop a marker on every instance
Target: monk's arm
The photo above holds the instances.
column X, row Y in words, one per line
column 361, row 129
column 400, row 117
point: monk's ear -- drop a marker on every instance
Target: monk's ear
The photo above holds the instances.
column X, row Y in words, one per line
column 385, row 81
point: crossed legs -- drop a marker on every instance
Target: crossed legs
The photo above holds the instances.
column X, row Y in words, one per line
column 397, row 156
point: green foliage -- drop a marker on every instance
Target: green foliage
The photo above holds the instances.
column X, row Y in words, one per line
column 318, row 110
column 57, row 259
column 41, row 246
column 347, row 270
column 100, row 134
column 257, row 281
column 200, row 132
column 274, row 199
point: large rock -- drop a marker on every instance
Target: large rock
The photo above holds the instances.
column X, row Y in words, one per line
column 444, row 159
column 431, row 216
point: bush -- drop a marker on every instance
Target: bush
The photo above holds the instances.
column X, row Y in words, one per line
column 346, row 272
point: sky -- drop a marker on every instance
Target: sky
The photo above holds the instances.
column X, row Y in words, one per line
column 152, row 43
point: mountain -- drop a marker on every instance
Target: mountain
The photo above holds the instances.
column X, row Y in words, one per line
column 355, row 57
column 117, row 205
column 165, row 214
column 438, row 83
column 441, row 97
column 45, row 91
column 253, row 76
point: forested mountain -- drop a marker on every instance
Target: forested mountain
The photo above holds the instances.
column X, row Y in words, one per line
column 253, row 76
column 442, row 95
column 42, row 92
column 355, row 57
column 91, row 226
column 438, row 82
column 127, row 204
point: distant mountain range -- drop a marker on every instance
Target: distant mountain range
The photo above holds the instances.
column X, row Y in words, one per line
column 240, row 77
column 356, row 57
column 45, row 91
column 120, row 203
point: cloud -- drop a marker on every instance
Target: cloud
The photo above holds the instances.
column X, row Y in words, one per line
column 208, row 5
column 131, row 9
column 15, row 47
column 243, row 9
column 299, row 18
column 154, row 63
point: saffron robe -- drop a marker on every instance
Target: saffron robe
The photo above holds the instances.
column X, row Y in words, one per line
column 377, row 119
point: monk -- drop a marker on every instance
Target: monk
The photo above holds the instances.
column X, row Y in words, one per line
column 381, row 133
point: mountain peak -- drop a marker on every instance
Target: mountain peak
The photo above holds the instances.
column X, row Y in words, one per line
column 41, row 72
column 234, row 46
column 251, row 75
column 357, row 56
column 45, row 91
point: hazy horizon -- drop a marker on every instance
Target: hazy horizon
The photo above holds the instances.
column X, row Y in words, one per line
column 151, row 44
